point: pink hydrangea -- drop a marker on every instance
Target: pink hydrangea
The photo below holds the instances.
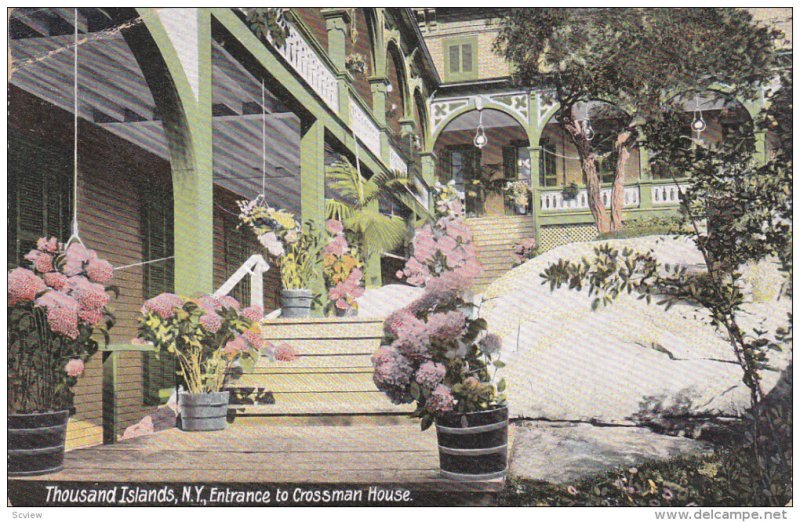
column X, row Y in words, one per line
column 491, row 344
column 334, row 226
column 91, row 296
column 236, row 346
column 412, row 348
column 337, row 246
column 446, row 327
column 254, row 313
column 47, row 245
column 74, row 367
column 56, row 299
column 211, row 321
column 208, row 303
column 227, row 301
column 397, row 320
column 63, row 321
column 55, row 280
column 254, row 339
column 75, row 257
column 458, row 230
column 416, row 273
column 23, row 285
column 100, row 271
column 349, row 288
column 284, row 352
column 91, row 317
column 44, row 264
column 424, row 244
column 441, row 400
column 163, row 304
column 430, row 374
column 392, row 375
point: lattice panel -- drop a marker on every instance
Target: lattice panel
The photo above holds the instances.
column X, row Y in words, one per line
column 553, row 236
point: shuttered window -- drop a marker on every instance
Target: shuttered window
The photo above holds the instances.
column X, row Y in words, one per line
column 39, row 195
column 460, row 63
column 158, row 372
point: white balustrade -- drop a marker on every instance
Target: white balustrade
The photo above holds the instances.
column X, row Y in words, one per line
column 396, row 162
column 667, row 194
column 255, row 266
column 555, row 201
column 302, row 57
column 365, row 128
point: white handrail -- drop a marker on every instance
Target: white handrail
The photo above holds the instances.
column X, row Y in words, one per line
column 255, row 266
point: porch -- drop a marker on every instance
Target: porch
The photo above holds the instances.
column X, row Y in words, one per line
column 352, row 455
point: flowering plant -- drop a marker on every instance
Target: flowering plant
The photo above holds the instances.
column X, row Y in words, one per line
column 517, row 191
column 356, row 63
column 341, row 268
column 524, row 250
column 292, row 248
column 435, row 351
column 207, row 336
column 55, row 308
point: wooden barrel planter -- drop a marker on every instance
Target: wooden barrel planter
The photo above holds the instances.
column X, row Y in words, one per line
column 36, row 443
column 296, row 303
column 204, row 411
column 473, row 446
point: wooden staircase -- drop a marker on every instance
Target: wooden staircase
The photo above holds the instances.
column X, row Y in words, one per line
column 494, row 238
column 331, row 376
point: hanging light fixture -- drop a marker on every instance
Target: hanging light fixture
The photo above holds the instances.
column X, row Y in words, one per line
column 480, row 140
column 698, row 123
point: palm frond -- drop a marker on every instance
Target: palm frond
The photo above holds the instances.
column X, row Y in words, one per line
column 338, row 210
column 381, row 233
column 344, row 179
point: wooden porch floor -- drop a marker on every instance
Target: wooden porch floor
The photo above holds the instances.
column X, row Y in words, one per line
column 384, row 452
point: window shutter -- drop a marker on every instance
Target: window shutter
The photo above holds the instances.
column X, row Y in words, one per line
column 455, row 58
column 158, row 372
column 466, row 58
column 237, row 250
column 38, row 195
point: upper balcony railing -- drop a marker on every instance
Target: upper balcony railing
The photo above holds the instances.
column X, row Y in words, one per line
column 310, row 66
column 315, row 70
column 662, row 194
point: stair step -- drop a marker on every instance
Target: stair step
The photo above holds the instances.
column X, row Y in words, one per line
column 343, row 346
column 304, row 403
column 327, row 328
column 315, row 361
column 323, row 382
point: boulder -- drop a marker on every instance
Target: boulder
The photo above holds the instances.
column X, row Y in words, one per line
column 378, row 303
column 629, row 362
column 564, row 453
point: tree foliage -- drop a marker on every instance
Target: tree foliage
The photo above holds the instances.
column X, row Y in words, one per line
column 639, row 60
column 738, row 209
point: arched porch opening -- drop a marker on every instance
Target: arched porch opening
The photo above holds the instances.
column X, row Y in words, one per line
column 482, row 174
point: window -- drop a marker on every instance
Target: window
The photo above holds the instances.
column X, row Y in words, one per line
column 237, row 249
column 158, row 372
column 460, row 61
column 39, row 195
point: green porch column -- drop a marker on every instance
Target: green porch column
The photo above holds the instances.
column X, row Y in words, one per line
column 173, row 50
column 534, row 153
column 372, row 264
column 312, row 182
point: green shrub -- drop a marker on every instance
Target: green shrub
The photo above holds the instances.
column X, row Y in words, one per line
column 646, row 227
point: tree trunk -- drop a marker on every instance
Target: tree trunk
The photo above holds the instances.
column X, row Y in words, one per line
column 589, row 169
column 618, row 188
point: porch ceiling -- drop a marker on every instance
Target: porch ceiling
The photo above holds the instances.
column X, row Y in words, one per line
column 114, row 95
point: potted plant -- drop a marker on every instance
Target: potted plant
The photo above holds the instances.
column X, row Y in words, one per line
column 437, row 353
column 207, row 336
column 356, row 64
column 342, row 271
column 517, row 192
column 56, row 312
column 524, row 250
column 570, row 192
column 291, row 247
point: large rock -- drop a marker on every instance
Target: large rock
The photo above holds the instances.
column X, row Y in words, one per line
column 628, row 362
column 380, row 302
column 567, row 452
